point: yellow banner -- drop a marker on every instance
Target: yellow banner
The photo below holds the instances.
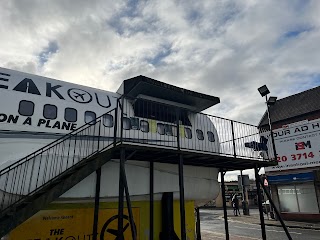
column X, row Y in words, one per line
column 75, row 224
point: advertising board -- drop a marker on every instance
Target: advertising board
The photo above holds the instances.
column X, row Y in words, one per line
column 74, row 221
column 297, row 145
column 74, row 224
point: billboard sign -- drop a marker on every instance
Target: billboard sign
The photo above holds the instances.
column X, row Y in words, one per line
column 75, row 224
column 297, row 145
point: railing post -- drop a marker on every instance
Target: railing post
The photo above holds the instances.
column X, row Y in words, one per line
column 115, row 124
column 99, row 135
column 178, row 128
column 233, row 140
column 121, row 119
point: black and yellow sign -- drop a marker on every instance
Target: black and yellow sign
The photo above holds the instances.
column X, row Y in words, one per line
column 75, row 224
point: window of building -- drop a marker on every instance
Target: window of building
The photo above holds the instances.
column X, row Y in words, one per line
column 50, row 111
column 200, row 134
column 107, row 120
column 298, row 198
column 188, row 133
column 70, row 115
column 89, row 117
column 26, row 108
column 161, row 128
column 159, row 112
column 126, row 123
column 144, row 126
column 210, row 136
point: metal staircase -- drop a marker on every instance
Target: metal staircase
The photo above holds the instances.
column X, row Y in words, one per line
column 31, row 183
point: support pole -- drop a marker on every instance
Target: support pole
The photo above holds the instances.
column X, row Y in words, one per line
column 96, row 205
column 223, row 187
column 276, row 210
column 182, row 208
column 126, row 189
column 151, row 199
column 181, row 181
column 198, row 229
column 245, row 205
column 121, row 196
column 263, row 226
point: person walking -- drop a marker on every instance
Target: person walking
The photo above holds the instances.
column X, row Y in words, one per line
column 235, row 205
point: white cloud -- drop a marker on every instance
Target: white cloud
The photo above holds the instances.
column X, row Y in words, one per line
column 222, row 48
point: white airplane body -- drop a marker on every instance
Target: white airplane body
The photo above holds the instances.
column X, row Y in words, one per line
column 37, row 110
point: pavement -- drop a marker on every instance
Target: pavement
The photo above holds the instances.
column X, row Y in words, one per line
column 255, row 219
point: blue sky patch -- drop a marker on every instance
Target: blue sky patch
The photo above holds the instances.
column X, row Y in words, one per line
column 305, row 81
column 163, row 53
column 47, row 52
column 296, row 32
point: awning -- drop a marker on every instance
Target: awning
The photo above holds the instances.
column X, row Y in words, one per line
column 291, row 178
column 148, row 88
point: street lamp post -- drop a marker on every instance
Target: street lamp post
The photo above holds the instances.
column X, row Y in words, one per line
column 264, row 91
column 270, row 102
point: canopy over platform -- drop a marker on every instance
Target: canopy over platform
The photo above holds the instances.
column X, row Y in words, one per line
column 150, row 89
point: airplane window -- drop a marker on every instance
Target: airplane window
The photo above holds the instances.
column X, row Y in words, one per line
column 161, row 128
column 50, row 111
column 70, row 115
column 89, row 116
column 188, row 133
column 108, row 120
column 126, row 123
column 134, row 123
column 26, row 108
column 200, row 134
column 144, row 126
column 168, row 129
column 210, row 136
column 174, row 131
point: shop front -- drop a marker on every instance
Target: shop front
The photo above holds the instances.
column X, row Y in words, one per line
column 297, row 195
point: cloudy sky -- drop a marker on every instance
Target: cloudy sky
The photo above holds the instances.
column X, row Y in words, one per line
column 223, row 48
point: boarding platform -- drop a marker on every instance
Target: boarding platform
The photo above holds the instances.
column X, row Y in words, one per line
column 152, row 122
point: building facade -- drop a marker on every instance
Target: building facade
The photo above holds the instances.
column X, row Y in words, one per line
column 295, row 182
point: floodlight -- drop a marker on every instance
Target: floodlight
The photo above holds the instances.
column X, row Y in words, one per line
column 263, row 90
column 271, row 101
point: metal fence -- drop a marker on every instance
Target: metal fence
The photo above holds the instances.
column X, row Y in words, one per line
column 133, row 121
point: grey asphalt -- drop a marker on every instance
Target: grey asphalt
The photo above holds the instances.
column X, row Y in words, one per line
column 254, row 218
column 248, row 227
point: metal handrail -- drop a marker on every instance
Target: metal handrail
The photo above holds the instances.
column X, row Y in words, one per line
column 30, row 173
column 65, row 137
